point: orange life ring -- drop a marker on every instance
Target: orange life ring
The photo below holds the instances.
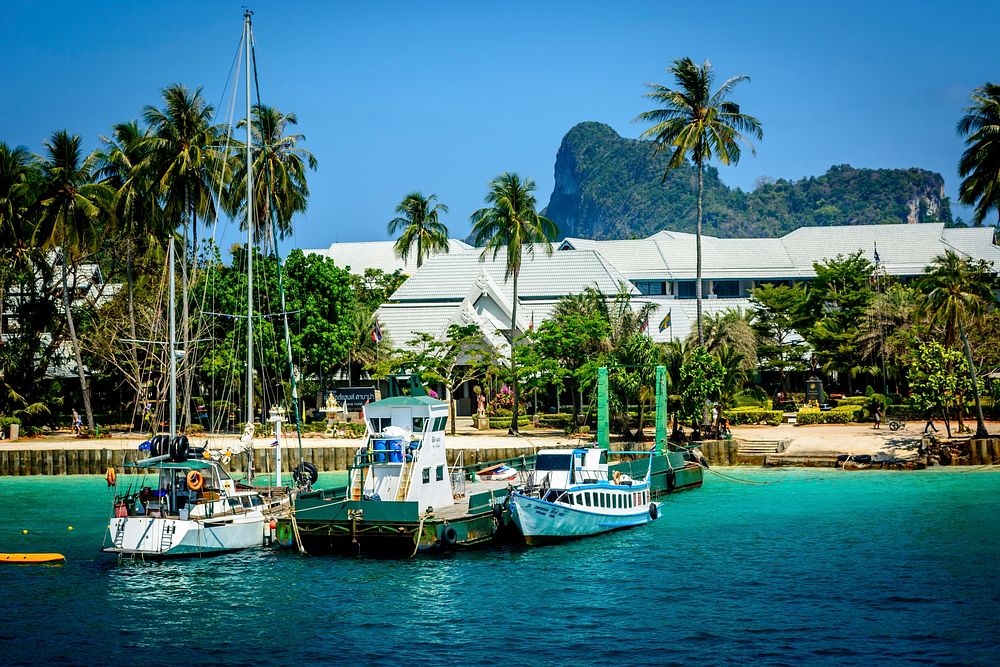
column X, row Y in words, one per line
column 111, row 477
column 618, row 477
column 195, row 480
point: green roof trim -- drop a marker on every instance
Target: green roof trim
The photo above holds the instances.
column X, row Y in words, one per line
column 408, row 402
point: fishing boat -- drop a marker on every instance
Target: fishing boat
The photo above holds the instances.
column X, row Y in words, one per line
column 402, row 497
column 572, row 493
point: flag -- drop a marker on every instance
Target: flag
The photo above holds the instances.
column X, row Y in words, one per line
column 877, row 260
column 645, row 325
column 376, row 333
column 665, row 322
column 531, row 325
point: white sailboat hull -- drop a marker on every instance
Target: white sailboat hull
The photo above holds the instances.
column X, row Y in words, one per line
column 543, row 521
column 168, row 538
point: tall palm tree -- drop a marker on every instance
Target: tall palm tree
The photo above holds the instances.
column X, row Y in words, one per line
column 71, row 206
column 186, row 165
column 693, row 120
column 279, row 172
column 957, row 291
column 418, row 220
column 980, row 163
column 16, row 172
column 511, row 224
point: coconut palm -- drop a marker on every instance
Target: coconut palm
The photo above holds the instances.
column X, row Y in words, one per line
column 511, row 224
column 16, row 171
column 279, row 173
column 71, row 205
column 980, row 163
column 418, row 220
column 694, row 121
column 958, row 292
column 731, row 327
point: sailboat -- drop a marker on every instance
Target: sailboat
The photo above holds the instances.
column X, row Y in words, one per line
column 192, row 506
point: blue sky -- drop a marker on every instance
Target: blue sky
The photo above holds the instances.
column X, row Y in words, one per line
column 443, row 96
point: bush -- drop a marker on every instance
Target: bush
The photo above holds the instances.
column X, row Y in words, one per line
column 852, row 400
column 557, row 420
column 808, row 416
column 905, row 413
column 196, row 429
column 754, row 415
column 844, row 414
column 504, row 422
column 5, row 423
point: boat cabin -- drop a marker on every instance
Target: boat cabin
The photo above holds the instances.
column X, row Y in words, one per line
column 403, row 454
column 562, row 468
column 187, row 489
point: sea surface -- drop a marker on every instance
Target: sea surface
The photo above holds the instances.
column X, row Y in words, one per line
column 802, row 566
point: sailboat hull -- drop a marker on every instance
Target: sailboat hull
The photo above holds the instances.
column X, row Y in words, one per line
column 152, row 537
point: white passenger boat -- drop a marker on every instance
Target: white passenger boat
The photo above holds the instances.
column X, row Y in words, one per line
column 569, row 494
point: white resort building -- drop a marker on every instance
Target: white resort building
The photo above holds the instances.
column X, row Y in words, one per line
column 460, row 287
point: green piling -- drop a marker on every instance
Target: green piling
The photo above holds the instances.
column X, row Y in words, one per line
column 603, row 423
column 661, row 409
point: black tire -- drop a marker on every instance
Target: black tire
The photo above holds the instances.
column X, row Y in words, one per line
column 179, row 447
column 653, row 512
column 305, row 471
column 895, row 425
column 449, row 537
column 159, row 445
column 671, row 480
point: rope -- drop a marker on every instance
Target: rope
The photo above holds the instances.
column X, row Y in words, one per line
column 737, row 480
column 416, row 537
column 295, row 529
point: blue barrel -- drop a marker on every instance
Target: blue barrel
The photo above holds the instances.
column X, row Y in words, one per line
column 396, row 455
column 379, row 451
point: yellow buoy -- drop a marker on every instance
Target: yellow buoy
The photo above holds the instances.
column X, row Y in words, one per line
column 27, row 559
column 69, row 527
column 24, row 531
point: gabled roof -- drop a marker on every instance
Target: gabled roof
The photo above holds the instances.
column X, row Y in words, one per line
column 542, row 277
column 363, row 255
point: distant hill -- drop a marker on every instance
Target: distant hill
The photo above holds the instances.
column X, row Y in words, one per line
column 608, row 187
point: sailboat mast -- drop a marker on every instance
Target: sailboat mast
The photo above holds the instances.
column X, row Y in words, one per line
column 172, row 344
column 249, row 45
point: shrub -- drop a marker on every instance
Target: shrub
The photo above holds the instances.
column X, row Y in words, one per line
column 808, row 416
column 5, row 423
column 852, row 400
column 754, row 415
column 844, row 414
column 557, row 420
column 504, row 422
column 196, row 429
column 905, row 413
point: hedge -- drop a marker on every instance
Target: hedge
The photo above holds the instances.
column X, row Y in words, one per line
column 843, row 414
column 852, row 400
column 906, row 412
column 752, row 415
column 504, row 422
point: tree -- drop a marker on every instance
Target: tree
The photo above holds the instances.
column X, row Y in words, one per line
column 17, row 172
column 187, row 167
column 733, row 328
column 71, row 206
column 777, row 319
column 511, row 223
column 693, row 120
column 980, row 163
column 280, row 189
column 936, row 378
column 463, row 355
column 733, row 378
column 957, row 292
column 420, row 226
column 701, row 376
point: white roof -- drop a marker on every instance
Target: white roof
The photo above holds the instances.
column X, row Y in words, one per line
column 377, row 255
column 902, row 249
column 542, row 277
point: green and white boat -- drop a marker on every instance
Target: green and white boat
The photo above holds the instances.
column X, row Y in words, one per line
column 402, row 497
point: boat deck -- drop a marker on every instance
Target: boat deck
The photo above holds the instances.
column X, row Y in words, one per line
column 461, row 507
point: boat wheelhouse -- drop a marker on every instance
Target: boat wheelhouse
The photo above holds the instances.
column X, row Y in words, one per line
column 573, row 493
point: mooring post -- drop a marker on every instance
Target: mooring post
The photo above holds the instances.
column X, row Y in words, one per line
column 661, row 409
column 603, row 423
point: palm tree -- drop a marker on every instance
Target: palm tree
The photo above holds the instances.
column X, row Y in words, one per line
column 418, row 220
column 980, row 163
column 279, row 172
column 692, row 120
column 16, row 175
column 511, row 223
column 71, row 205
column 957, row 291
column 187, row 168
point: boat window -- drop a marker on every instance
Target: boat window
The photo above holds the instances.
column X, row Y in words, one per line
column 440, row 423
column 427, row 476
column 418, row 424
column 568, row 498
column 602, row 500
column 586, row 498
column 604, row 457
column 256, row 501
column 235, row 503
column 554, row 462
column 246, row 501
column 440, row 473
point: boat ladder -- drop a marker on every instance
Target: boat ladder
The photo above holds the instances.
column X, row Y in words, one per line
column 406, row 474
column 120, row 534
column 167, row 537
column 357, row 483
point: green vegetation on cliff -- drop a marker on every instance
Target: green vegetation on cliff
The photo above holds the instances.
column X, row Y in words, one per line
column 610, row 187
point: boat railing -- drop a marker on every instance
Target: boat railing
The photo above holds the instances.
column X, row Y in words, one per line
column 588, row 476
column 457, row 474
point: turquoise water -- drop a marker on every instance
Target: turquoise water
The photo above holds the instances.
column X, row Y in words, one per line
column 814, row 566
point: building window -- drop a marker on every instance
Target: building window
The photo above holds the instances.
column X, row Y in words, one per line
column 685, row 289
column 727, row 289
column 651, row 287
column 427, row 476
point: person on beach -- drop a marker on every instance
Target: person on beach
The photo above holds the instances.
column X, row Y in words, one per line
column 77, row 422
column 878, row 416
column 929, row 426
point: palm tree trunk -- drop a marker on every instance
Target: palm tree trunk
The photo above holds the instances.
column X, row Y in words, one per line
column 420, row 252
column 76, row 343
column 697, row 286
column 513, row 430
column 981, row 431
